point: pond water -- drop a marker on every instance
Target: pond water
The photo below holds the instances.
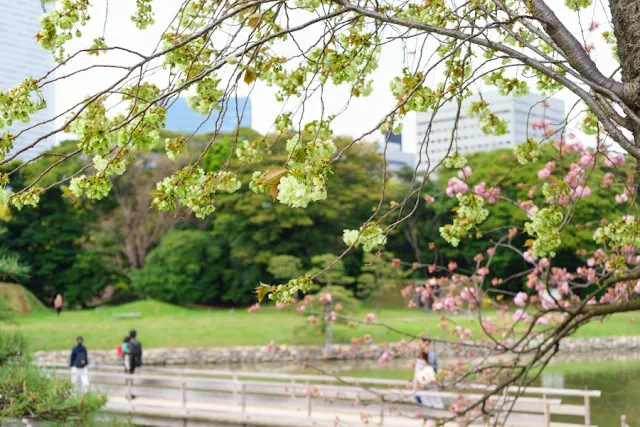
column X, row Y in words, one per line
column 618, row 378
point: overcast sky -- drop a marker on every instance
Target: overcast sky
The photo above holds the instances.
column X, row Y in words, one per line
column 361, row 116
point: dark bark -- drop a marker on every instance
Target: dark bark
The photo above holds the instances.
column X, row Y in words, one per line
column 571, row 48
column 626, row 26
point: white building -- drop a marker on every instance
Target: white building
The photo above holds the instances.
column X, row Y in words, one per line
column 519, row 112
column 21, row 57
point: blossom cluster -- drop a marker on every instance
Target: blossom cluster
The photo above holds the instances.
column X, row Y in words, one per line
column 545, row 227
column 252, row 152
column 304, row 180
column 370, row 237
column 194, row 188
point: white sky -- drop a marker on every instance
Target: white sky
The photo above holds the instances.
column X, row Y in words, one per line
column 361, row 116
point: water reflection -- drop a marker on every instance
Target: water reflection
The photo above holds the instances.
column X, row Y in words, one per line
column 619, row 382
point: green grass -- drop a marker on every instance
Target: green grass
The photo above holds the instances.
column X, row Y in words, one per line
column 19, row 299
column 165, row 325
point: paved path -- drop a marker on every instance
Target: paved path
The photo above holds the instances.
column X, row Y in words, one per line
column 276, row 415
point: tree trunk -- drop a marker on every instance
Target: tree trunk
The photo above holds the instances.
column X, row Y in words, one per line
column 626, row 27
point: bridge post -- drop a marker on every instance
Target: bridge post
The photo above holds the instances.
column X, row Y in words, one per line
column 587, row 411
column 293, row 387
column 244, row 397
column 235, row 380
column 183, row 391
column 308, row 399
column 547, row 415
column 381, row 411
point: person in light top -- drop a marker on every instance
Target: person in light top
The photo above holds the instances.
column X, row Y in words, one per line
column 424, row 377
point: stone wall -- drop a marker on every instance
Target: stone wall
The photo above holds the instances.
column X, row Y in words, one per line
column 280, row 354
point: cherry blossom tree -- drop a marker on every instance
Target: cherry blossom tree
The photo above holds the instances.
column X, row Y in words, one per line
column 451, row 49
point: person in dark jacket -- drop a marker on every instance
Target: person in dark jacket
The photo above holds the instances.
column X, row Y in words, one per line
column 134, row 348
column 79, row 362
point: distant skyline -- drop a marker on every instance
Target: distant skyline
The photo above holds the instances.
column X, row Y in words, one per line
column 21, row 58
column 181, row 118
column 361, row 117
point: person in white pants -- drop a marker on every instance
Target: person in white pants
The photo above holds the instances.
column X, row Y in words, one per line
column 79, row 363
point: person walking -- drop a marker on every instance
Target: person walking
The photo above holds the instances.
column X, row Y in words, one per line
column 79, row 362
column 133, row 359
column 57, row 304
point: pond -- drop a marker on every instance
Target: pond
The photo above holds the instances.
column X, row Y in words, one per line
column 619, row 381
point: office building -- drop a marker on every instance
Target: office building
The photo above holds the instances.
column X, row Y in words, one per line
column 235, row 113
column 21, row 57
column 395, row 155
column 520, row 113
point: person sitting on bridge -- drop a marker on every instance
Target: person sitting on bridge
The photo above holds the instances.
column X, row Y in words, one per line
column 424, row 377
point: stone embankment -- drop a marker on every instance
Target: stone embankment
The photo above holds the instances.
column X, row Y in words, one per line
column 602, row 348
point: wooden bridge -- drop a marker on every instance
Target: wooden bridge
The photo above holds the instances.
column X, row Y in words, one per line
column 196, row 397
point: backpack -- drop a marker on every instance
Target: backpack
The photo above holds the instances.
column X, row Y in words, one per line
column 136, row 353
column 119, row 351
column 81, row 358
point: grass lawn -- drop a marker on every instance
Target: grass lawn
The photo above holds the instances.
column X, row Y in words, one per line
column 164, row 325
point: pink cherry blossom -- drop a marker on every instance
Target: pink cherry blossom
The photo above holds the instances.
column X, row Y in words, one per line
column 301, row 309
column 621, row 199
column 385, row 357
column 520, row 315
column 464, row 173
column 594, row 25
column 255, row 307
column 338, row 307
column 521, row 299
column 529, row 256
column 540, row 124
column 452, row 265
column 544, row 173
column 591, row 262
column 429, row 199
column 587, row 159
column 607, row 181
column 455, row 186
column 369, row 318
column 483, row 271
column 325, row 299
column 492, row 195
column 279, row 305
column 636, row 288
column 312, row 320
column 613, row 159
column 581, row 191
column 330, row 317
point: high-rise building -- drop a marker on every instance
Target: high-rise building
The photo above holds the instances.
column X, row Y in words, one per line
column 520, row 113
column 21, row 57
column 235, row 113
column 396, row 157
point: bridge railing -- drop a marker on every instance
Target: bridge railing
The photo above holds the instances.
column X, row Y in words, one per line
column 184, row 384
